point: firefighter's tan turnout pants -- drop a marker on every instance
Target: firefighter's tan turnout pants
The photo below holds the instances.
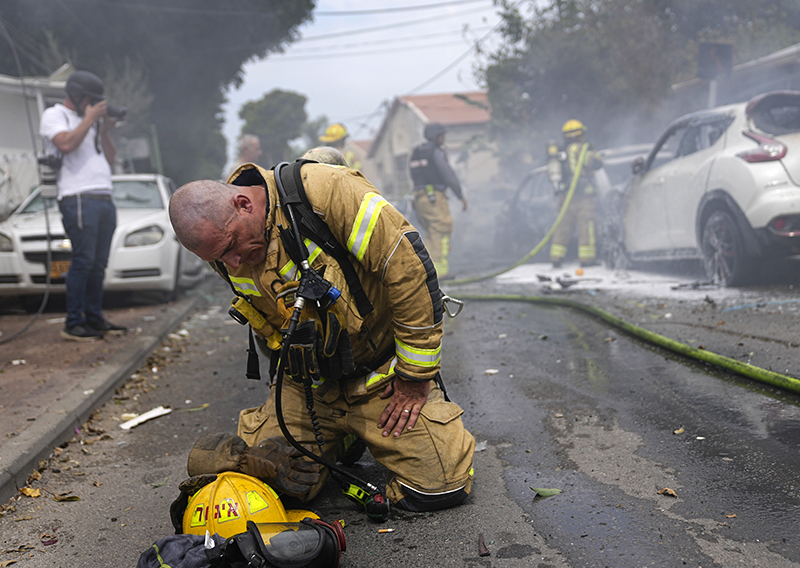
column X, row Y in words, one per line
column 581, row 213
column 436, row 224
column 432, row 459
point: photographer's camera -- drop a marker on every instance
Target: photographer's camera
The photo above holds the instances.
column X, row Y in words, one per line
column 116, row 111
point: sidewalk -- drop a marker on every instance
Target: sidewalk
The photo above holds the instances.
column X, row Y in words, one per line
column 49, row 386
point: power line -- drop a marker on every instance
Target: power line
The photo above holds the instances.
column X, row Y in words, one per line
column 395, row 9
column 395, row 24
column 317, row 49
column 329, row 55
column 221, row 12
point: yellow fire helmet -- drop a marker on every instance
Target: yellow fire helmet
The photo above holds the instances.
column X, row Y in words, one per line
column 573, row 128
column 225, row 505
column 334, row 133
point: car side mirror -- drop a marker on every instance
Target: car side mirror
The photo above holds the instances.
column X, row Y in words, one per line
column 638, row 165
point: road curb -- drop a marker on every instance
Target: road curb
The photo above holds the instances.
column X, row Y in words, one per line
column 58, row 423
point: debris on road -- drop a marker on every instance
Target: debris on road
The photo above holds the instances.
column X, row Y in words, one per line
column 482, row 550
column 667, row 491
column 545, row 492
column 150, row 414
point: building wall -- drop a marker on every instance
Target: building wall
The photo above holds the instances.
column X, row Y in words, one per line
column 471, row 156
column 18, row 168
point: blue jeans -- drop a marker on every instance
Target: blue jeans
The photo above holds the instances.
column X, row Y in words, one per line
column 89, row 222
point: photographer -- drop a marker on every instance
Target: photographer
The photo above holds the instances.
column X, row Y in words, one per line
column 78, row 131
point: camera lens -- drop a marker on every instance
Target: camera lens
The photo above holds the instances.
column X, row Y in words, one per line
column 116, row 111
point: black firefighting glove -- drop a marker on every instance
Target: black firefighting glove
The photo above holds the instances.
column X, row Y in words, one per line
column 273, row 461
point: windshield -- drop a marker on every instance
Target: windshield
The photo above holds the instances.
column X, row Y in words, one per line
column 128, row 194
column 137, row 195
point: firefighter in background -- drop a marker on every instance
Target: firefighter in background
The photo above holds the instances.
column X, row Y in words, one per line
column 432, row 175
column 577, row 160
column 335, row 136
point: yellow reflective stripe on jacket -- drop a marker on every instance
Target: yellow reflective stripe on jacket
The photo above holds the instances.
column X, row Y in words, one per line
column 417, row 356
column 289, row 271
column 374, row 377
column 245, row 285
column 365, row 223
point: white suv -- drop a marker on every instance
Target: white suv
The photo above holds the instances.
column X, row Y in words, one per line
column 721, row 185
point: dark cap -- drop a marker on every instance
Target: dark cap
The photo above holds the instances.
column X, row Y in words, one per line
column 85, row 84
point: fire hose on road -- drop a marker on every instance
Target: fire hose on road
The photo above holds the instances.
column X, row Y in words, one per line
column 750, row 371
column 744, row 369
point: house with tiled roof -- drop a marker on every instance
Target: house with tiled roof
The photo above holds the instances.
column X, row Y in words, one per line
column 466, row 118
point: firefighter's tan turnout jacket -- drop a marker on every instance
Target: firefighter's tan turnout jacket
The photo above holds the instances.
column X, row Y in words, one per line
column 388, row 255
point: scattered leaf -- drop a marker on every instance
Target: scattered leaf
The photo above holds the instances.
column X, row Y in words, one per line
column 5, row 563
column 195, row 409
column 31, row 492
column 50, row 541
column 678, row 431
column 28, row 518
column 97, row 483
column 35, row 476
column 154, row 485
column 733, row 516
column 546, row 492
column 667, row 491
column 610, row 339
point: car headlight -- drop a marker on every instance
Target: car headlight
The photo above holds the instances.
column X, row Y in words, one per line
column 143, row 237
column 6, row 245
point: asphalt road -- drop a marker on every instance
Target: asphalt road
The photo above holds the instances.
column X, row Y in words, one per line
column 554, row 398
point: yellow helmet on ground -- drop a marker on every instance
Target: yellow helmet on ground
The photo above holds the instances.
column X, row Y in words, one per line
column 573, row 128
column 334, row 133
column 225, row 505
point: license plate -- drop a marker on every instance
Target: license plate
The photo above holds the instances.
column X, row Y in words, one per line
column 59, row 268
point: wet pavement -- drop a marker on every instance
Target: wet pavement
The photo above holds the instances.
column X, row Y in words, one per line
column 555, row 399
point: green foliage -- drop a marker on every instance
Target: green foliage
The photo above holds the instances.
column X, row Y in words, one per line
column 189, row 52
column 276, row 119
column 611, row 63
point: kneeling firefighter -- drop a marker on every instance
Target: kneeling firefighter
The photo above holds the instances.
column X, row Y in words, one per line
column 358, row 336
column 574, row 166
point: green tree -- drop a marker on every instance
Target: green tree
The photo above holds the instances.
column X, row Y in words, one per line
column 277, row 118
column 191, row 52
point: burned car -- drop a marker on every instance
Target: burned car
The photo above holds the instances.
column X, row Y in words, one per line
column 721, row 186
column 145, row 254
column 531, row 209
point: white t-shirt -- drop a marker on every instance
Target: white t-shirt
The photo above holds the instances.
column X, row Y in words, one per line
column 83, row 169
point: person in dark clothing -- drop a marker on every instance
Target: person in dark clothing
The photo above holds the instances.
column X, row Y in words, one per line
column 432, row 175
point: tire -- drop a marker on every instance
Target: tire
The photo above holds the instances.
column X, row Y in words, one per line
column 724, row 256
column 612, row 233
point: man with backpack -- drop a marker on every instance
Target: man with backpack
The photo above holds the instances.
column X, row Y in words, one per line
column 369, row 351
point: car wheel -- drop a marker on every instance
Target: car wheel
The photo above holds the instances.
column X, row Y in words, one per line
column 725, row 260
column 612, row 233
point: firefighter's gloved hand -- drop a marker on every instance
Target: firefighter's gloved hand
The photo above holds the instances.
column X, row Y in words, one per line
column 273, row 461
column 281, row 466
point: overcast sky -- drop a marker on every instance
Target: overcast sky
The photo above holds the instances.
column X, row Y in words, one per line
column 357, row 55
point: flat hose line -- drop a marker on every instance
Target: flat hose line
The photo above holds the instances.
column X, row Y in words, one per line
column 750, row 371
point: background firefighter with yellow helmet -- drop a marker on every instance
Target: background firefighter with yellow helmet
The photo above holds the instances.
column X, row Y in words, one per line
column 577, row 163
column 432, row 175
column 335, row 136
